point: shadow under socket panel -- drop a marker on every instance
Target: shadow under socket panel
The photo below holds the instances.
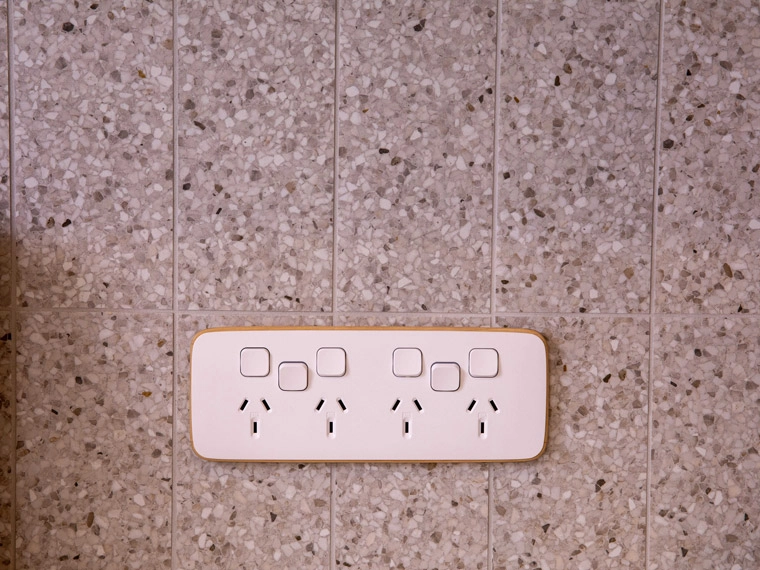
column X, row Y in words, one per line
column 368, row 394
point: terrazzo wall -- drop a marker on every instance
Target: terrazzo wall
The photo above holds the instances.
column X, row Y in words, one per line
column 169, row 166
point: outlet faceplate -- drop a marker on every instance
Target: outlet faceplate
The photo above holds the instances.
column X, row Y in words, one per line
column 368, row 394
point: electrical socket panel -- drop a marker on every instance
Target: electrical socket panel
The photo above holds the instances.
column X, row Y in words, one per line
column 368, row 394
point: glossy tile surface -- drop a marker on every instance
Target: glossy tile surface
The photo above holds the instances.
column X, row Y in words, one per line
column 576, row 136
column 245, row 514
column 583, row 503
column 709, row 210
column 256, row 147
column 93, row 136
column 94, row 440
column 416, row 153
column 705, row 463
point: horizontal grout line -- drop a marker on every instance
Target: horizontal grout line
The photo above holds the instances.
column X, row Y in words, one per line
column 329, row 314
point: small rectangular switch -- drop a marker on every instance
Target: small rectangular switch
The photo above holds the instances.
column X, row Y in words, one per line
column 254, row 362
column 445, row 377
column 484, row 363
column 331, row 362
column 407, row 362
column 293, row 376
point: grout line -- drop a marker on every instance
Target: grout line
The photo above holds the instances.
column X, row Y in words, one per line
column 431, row 314
column 336, row 156
column 653, row 283
column 14, row 269
column 495, row 162
column 336, row 150
column 333, row 492
column 494, row 231
column 175, row 272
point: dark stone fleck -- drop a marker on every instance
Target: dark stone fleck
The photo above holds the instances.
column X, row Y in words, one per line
column 599, row 484
column 546, row 527
column 61, row 63
column 697, row 352
column 272, row 516
column 436, row 536
column 421, row 26
column 556, row 80
column 727, row 270
column 383, row 151
column 667, row 143
column 68, row 27
column 684, row 551
column 90, row 519
column 66, row 224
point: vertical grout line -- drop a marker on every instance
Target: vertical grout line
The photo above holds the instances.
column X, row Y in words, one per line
column 653, row 281
column 14, row 268
column 336, row 150
column 494, row 231
column 175, row 273
column 336, row 156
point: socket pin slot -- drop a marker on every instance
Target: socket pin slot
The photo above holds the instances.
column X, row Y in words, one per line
column 255, row 427
column 493, row 405
column 395, row 405
column 406, row 426
column 265, row 404
column 244, row 404
column 472, row 405
column 320, row 404
column 341, row 404
column 417, row 403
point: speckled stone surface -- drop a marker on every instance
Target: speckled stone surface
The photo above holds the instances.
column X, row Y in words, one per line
column 411, row 516
column 256, row 142
column 709, row 210
column 5, row 203
column 576, row 139
column 245, row 515
column 94, row 441
column 93, row 132
column 416, row 152
column 6, row 441
column 582, row 505
column 705, row 463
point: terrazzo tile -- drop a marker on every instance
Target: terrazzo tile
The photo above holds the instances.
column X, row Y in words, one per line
column 6, row 442
column 256, row 154
column 709, row 210
column 706, row 426
column 575, row 156
column 245, row 515
column 94, row 441
column 416, row 143
column 582, row 504
column 93, row 135
column 411, row 515
column 5, row 203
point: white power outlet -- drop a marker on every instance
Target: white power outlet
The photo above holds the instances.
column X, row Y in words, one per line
column 375, row 394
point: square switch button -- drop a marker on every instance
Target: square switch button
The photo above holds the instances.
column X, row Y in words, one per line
column 444, row 377
column 407, row 362
column 331, row 362
column 293, row 376
column 254, row 362
column 484, row 362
